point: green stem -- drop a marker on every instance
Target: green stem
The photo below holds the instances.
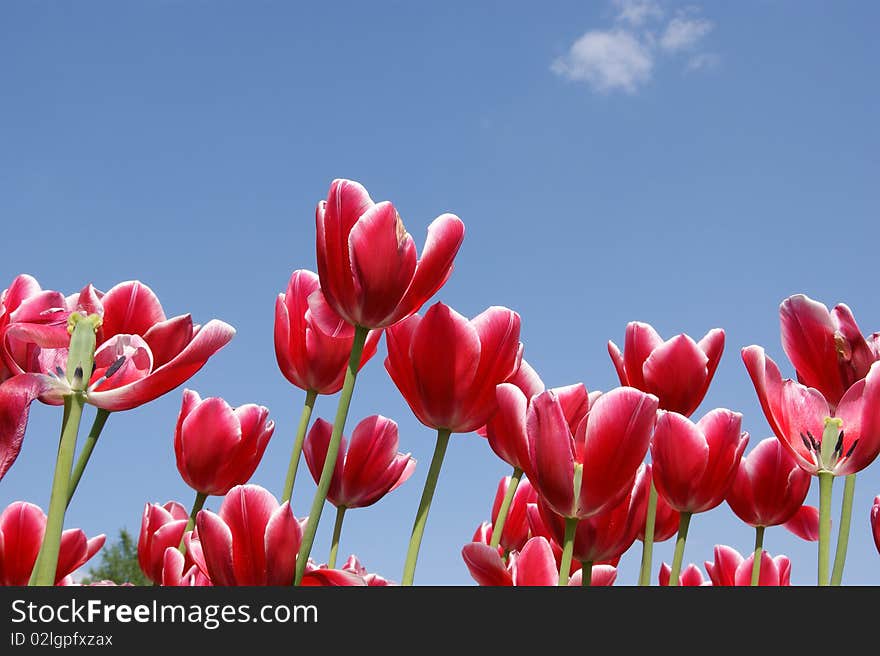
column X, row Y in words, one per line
column 759, row 548
column 305, row 549
column 337, row 531
column 849, row 489
column 418, row 529
column 86, row 453
column 826, row 480
column 47, row 560
column 683, row 523
column 567, row 549
column 306, row 415
column 586, row 573
column 648, row 543
column 191, row 522
column 498, row 526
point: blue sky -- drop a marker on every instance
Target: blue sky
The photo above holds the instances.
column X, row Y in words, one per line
column 685, row 164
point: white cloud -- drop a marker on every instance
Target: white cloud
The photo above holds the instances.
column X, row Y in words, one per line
column 607, row 61
column 637, row 12
column 684, row 33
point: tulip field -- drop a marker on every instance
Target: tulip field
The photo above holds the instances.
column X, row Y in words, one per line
column 376, row 295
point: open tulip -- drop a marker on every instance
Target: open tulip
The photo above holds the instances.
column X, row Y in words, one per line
column 583, row 474
column 252, row 541
column 161, row 527
column 535, row 565
column 677, row 371
column 826, row 348
column 218, row 447
column 447, row 367
column 367, row 262
column 313, row 354
column 730, row 568
column 22, row 526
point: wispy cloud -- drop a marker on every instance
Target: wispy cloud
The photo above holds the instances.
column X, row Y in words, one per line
column 684, row 33
column 623, row 56
column 606, row 61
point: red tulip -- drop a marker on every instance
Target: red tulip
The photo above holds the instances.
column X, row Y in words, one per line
column 252, row 541
column 677, row 371
column 140, row 354
column 533, row 566
column 506, row 428
column 730, row 568
column 607, row 535
column 769, row 488
column 447, row 367
column 177, row 572
column 22, row 526
column 690, row 577
column 312, row 342
column 161, row 527
column 515, row 533
column 666, row 518
column 29, row 311
column 593, row 470
column 368, row 469
column 353, row 565
column 797, row 414
column 826, row 348
column 367, row 262
column 217, row 447
column 695, row 464
column 16, row 396
column 875, row 521
column 804, row 523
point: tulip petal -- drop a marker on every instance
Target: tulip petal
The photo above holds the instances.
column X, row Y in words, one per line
column 676, row 372
column 216, row 539
column 282, row 540
column 130, row 308
column 805, row 523
column 22, row 526
column 315, row 448
column 168, row 338
column 680, row 454
column 485, row 565
column 641, row 339
column 536, row 565
column 618, row 362
column 16, row 395
column 551, row 448
column 506, row 428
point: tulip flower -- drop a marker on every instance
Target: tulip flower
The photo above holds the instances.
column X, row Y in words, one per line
column 769, row 489
column 730, row 568
column 533, row 566
column 251, row 541
column 875, row 521
column 695, row 465
column 584, row 474
column 218, row 447
column 826, row 348
column 677, row 371
column 367, row 468
column 353, row 565
column 447, row 368
column 515, row 530
column 691, row 576
column 605, row 536
column 804, row 523
column 176, row 572
column 161, row 527
column 22, row 527
column 826, row 439
column 367, row 262
column 312, row 354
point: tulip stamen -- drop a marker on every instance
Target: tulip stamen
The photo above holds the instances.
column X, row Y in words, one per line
column 112, row 369
column 851, row 449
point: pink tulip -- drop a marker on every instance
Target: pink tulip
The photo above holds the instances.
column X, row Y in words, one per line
column 217, row 447
column 506, row 428
column 593, row 470
column 312, row 342
column 367, row 468
column 690, row 577
column 447, row 367
column 353, row 565
column 677, row 371
column 875, row 521
column 804, row 523
column 22, row 526
column 730, row 568
column 769, row 488
column 367, row 262
column 161, row 527
column 607, row 535
column 695, row 464
column 533, row 566
column 826, row 348
column 252, row 541
column 177, row 572
column 140, row 354
column 797, row 414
